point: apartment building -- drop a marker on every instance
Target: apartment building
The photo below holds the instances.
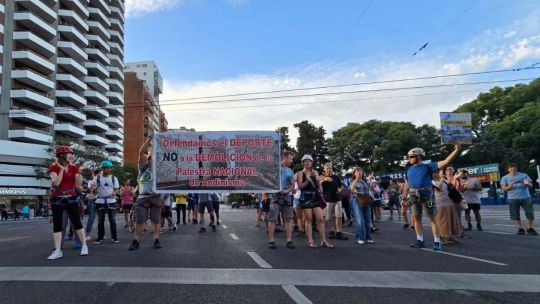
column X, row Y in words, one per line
column 61, row 75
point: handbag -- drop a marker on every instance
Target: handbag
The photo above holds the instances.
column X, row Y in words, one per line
column 453, row 193
column 320, row 199
column 308, row 200
column 364, row 200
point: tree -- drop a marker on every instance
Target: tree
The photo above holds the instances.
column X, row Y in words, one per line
column 312, row 141
column 285, row 139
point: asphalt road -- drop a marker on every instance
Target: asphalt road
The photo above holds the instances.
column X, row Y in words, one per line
column 233, row 265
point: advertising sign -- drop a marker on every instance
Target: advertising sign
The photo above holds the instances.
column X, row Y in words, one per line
column 204, row 162
column 456, row 127
column 484, row 173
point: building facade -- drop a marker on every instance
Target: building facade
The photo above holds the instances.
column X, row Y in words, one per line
column 61, row 75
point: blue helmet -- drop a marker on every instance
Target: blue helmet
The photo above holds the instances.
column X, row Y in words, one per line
column 106, row 164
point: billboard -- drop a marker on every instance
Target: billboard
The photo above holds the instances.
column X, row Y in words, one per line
column 456, row 127
column 484, row 173
column 228, row 161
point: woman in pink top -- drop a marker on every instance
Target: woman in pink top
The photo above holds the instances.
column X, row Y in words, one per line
column 127, row 192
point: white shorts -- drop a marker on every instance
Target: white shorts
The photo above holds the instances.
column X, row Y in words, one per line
column 333, row 209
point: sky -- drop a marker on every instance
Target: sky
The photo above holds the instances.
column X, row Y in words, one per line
column 207, row 48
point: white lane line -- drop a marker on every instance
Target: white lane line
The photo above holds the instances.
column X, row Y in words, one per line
column 14, row 238
column 466, row 257
column 505, row 225
column 345, row 232
column 499, row 232
column 234, row 236
column 259, row 260
column 224, row 227
column 295, row 294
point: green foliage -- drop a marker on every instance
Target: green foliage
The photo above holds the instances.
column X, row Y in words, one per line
column 312, row 141
column 285, row 139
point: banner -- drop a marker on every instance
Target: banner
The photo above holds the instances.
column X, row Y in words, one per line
column 456, row 127
column 484, row 173
column 204, row 162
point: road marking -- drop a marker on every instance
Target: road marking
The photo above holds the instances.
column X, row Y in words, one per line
column 499, row 232
column 345, row 232
column 234, row 236
column 505, row 225
column 224, row 227
column 259, row 260
column 277, row 277
column 466, row 257
column 295, row 294
column 14, row 238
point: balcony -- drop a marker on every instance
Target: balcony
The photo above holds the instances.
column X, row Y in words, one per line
column 116, row 159
column 97, row 14
column 95, row 125
column 96, row 97
column 98, row 55
column 72, row 50
column 95, row 140
column 71, row 98
column 71, row 82
column 34, row 61
column 32, row 98
column 98, row 29
column 117, row 25
column 115, row 110
column 96, row 83
column 77, row 6
column 35, row 43
column 33, row 79
column 115, row 98
column 101, row 4
column 73, row 18
column 69, row 114
column 39, row 8
column 35, row 24
column 30, row 135
column 72, row 66
column 97, row 111
column 116, row 61
column 115, row 84
column 116, row 36
column 31, row 117
column 114, row 134
column 73, row 34
column 116, row 13
column 114, row 122
column 69, row 130
column 114, row 147
column 98, row 42
column 97, row 69
column 115, row 72
column 115, row 48
column 119, row 4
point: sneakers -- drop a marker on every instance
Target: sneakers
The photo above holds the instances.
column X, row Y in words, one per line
column 157, row 245
column 77, row 245
column 361, row 242
column 521, row 231
column 531, row 231
column 479, row 228
column 174, row 228
column 84, row 250
column 417, row 244
column 272, row 245
column 115, row 241
column 134, row 245
column 213, row 228
column 98, row 242
column 290, row 245
column 406, row 226
column 341, row 236
column 56, row 254
column 469, row 227
column 202, row 230
column 370, row 241
column 437, row 246
column 332, row 235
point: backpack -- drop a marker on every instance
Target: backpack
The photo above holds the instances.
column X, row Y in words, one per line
column 453, row 193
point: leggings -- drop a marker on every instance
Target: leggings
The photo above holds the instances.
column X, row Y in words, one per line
column 71, row 205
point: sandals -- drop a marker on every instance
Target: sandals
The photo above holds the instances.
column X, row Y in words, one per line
column 272, row 245
column 311, row 244
column 325, row 244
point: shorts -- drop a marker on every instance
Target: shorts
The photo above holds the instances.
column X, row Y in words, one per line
column 127, row 208
column 166, row 211
column 333, row 209
column 288, row 212
column 420, row 204
column 296, row 203
column 474, row 207
column 377, row 203
column 215, row 205
column 192, row 206
column 208, row 205
column 527, row 205
column 148, row 205
column 393, row 202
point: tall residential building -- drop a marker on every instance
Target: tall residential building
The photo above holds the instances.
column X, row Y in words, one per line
column 141, row 116
column 61, row 74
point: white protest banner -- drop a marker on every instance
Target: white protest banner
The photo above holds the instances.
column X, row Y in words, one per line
column 456, row 127
column 204, row 162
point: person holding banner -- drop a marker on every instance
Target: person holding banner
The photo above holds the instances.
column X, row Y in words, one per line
column 282, row 201
column 308, row 182
column 148, row 203
column 418, row 191
column 517, row 185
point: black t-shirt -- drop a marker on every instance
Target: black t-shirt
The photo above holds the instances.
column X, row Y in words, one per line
column 330, row 189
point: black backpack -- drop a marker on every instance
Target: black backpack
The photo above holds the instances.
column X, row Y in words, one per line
column 453, row 193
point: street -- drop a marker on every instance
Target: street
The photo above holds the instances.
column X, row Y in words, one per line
column 234, row 265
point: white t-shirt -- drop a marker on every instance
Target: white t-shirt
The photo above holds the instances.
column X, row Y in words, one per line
column 105, row 188
column 166, row 199
column 471, row 196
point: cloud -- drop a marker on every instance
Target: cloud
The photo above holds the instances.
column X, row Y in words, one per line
column 136, row 8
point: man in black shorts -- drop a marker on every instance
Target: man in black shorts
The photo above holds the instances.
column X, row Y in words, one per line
column 205, row 202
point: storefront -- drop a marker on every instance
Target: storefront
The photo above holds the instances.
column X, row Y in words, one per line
column 16, row 198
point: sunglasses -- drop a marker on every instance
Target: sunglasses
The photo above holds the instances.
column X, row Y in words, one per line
column 412, row 156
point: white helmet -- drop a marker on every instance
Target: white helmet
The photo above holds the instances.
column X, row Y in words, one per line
column 307, row 157
column 416, row 151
